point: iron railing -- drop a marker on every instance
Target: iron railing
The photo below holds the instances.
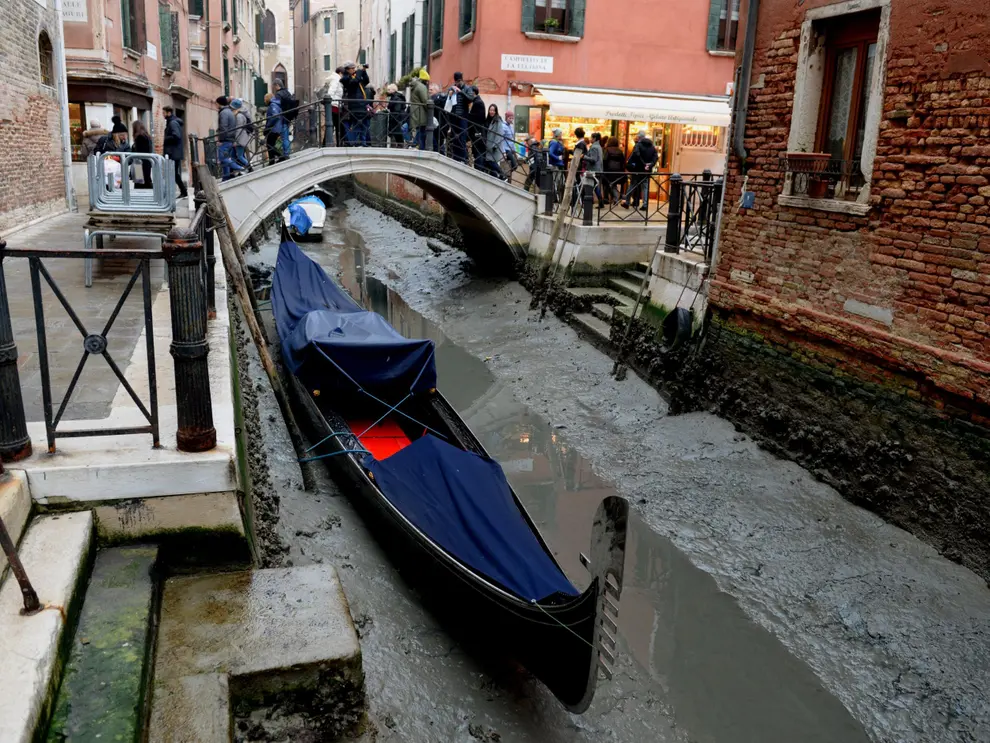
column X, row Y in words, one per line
column 692, row 215
column 635, row 197
column 189, row 274
column 831, row 179
column 93, row 343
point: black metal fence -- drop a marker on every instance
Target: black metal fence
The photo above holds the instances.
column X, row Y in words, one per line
column 692, row 215
column 191, row 297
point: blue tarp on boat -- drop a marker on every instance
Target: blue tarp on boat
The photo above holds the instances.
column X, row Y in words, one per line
column 460, row 500
column 463, row 502
column 325, row 331
column 298, row 218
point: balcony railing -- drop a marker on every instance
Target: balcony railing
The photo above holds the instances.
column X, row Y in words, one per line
column 834, row 179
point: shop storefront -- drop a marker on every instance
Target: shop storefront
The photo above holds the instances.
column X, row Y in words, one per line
column 690, row 132
column 93, row 102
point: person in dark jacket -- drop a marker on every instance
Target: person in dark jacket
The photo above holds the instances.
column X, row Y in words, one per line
column 536, row 159
column 356, row 123
column 115, row 141
column 614, row 165
column 275, row 125
column 439, row 99
column 142, row 143
column 642, row 160
column 226, row 123
column 286, row 102
column 555, row 152
column 173, row 147
column 457, row 117
column 579, row 147
column 477, row 128
column 397, row 114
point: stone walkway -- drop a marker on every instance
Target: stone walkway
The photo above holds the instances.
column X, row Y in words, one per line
column 97, row 384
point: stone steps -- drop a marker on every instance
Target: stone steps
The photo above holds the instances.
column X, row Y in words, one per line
column 603, row 291
column 627, row 287
column 280, row 638
column 56, row 555
column 636, row 276
column 15, row 508
column 606, row 312
column 103, row 691
column 593, row 325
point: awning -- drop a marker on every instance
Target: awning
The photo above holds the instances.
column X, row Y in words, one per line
column 588, row 103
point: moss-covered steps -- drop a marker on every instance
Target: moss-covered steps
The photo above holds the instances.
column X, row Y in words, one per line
column 102, row 696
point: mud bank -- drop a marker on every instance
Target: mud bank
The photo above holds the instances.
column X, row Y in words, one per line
column 897, row 632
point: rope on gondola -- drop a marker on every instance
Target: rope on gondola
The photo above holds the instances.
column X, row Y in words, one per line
column 391, row 408
column 334, row 454
column 590, row 645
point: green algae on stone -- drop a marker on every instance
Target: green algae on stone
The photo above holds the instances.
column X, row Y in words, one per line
column 103, row 690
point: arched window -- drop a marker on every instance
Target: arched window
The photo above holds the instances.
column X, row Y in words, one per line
column 268, row 30
column 281, row 75
column 46, row 56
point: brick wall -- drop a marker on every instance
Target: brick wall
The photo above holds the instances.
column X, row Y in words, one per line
column 31, row 178
column 923, row 251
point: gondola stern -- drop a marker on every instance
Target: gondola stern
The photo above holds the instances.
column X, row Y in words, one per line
column 606, row 565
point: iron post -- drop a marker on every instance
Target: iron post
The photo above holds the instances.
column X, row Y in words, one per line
column 430, row 133
column 31, row 603
column 327, row 121
column 588, row 199
column 209, row 241
column 15, row 443
column 189, row 348
column 547, row 188
column 673, row 241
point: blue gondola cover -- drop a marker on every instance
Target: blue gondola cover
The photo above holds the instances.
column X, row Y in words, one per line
column 327, row 336
column 460, row 500
column 463, row 502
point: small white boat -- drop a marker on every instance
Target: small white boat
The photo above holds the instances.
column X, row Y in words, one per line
column 305, row 217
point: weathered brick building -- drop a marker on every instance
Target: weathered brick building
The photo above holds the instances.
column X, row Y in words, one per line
column 32, row 180
column 851, row 295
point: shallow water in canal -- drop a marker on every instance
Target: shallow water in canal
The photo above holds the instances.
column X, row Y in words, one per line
column 691, row 666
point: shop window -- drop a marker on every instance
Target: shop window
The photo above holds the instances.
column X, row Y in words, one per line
column 468, row 16
column 46, row 56
column 436, row 26
column 723, row 25
column 565, row 17
column 837, row 105
column 700, row 137
column 269, row 28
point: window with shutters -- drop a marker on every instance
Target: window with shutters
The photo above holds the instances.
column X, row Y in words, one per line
column 269, row 28
column 392, row 57
column 340, row 21
column 363, row 56
column 326, row 62
column 405, row 45
column 233, row 16
column 168, row 25
column 408, row 46
column 326, row 25
column 223, row 9
column 723, row 25
column 226, row 76
column 436, row 25
column 564, row 17
column 132, row 25
column 196, row 8
column 305, row 11
column 469, row 9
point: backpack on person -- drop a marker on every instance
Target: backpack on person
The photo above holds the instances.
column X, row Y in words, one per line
column 290, row 105
column 249, row 127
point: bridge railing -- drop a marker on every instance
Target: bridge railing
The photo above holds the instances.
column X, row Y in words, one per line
column 483, row 143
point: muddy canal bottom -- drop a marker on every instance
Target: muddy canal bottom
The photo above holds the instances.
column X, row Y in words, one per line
column 690, row 665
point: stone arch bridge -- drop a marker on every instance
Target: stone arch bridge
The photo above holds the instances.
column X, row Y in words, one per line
column 492, row 215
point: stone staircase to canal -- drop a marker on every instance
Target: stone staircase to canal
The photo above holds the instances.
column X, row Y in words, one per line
column 122, row 651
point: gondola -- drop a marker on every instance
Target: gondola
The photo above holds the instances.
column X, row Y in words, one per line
column 435, row 500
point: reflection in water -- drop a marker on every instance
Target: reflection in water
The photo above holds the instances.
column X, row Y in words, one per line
column 726, row 679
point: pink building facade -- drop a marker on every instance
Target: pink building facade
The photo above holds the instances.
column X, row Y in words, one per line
column 665, row 68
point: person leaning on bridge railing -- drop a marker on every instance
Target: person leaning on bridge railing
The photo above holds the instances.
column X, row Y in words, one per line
column 355, row 83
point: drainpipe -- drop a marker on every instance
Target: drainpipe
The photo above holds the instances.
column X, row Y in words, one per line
column 745, row 74
column 63, row 102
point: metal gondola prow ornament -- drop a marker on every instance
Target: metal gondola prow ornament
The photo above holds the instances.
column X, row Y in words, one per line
column 606, row 565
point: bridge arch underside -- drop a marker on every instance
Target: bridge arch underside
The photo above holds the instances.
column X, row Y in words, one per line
column 496, row 223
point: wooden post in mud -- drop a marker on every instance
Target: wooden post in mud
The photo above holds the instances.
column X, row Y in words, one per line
column 229, row 251
column 562, row 208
